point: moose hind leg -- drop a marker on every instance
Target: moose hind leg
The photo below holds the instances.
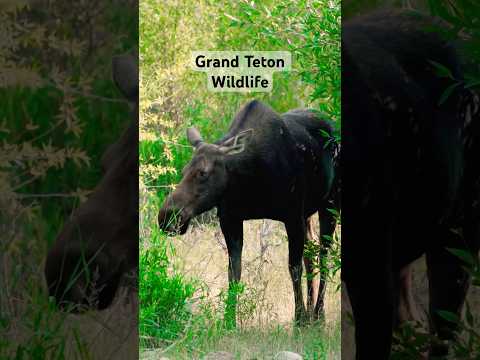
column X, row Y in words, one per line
column 327, row 229
column 309, row 261
column 406, row 307
column 448, row 285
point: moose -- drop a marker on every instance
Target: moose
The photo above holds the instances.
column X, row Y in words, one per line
column 279, row 167
column 410, row 174
column 99, row 244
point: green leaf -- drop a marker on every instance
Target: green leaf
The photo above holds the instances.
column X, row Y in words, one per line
column 442, row 70
column 449, row 316
column 464, row 255
column 472, row 83
column 448, row 91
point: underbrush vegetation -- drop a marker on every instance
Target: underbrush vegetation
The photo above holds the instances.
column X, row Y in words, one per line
column 183, row 304
column 182, row 299
column 60, row 110
column 163, row 296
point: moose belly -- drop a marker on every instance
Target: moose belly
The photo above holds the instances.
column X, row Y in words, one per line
column 263, row 202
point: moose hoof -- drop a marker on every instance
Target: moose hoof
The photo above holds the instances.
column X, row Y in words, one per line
column 439, row 351
column 319, row 316
column 301, row 318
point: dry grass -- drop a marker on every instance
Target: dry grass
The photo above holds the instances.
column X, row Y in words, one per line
column 258, row 344
column 265, row 328
column 33, row 326
column 113, row 333
column 202, row 254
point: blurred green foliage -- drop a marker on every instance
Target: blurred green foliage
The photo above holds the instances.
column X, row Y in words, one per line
column 60, row 110
column 78, row 84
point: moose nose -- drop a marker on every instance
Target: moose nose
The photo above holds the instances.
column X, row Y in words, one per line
column 169, row 220
column 73, row 300
column 80, row 281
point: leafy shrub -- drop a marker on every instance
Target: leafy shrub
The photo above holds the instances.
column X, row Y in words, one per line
column 311, row 34
column 163, row 298
column 60, row 110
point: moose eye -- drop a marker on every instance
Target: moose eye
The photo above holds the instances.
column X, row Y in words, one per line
column 202, row 174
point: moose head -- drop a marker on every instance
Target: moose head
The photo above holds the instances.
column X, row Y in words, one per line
column 100, row 241
column 204, row 181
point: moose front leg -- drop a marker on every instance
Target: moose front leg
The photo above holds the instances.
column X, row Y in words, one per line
column 233, row 232
column 296, row 232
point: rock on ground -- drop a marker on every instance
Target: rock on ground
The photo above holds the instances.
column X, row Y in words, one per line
column 288, row 355
column 152, row 355
column 219, row 355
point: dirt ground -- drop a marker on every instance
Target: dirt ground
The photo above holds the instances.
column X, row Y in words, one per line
column 113, row 333
column 41, row 329
column 202, row 254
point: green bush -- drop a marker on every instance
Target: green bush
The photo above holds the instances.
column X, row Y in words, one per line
column 163, row 297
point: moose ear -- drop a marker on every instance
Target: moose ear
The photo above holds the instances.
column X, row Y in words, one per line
column 125, row 75
column 194, row 137
column 237, row 144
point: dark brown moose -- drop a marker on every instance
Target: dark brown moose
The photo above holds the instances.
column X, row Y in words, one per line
column 279, row 167
column 410, row 174
column 99, row 244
